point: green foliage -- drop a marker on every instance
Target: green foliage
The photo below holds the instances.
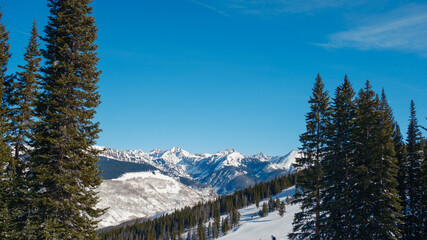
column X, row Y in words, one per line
column 281, row 209
column 23, row 97
column 6, row 161
column 21, row 102
column 360, row 154
column 314, row 142
column 414, row 214
column 225, row 226
column 264, row 210
column 63, row 162
column 338, row 164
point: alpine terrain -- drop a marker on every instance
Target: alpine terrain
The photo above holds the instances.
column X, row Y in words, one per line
column 140, row 184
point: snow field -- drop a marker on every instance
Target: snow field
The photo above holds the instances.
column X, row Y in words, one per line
column 256, row 228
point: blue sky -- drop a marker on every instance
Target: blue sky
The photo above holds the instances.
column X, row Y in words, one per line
column 208, row 75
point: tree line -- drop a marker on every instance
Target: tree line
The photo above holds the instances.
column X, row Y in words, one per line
column 361, row 180
column 203, row 221
column 48, row 171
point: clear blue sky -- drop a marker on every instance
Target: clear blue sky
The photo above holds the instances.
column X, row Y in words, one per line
column 207, row 75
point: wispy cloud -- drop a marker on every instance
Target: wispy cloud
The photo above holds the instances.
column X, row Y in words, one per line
column 403, row 29
column 271, row 7
column 19, row 31
column 210, row 7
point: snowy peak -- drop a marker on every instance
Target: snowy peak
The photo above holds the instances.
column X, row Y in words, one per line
column 229, row 157
column 176, row 154
column 226, row 152
column 261, row 156
column 287, row 160
column 156, row 151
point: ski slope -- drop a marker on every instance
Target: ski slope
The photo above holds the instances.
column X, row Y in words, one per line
column 263, row 228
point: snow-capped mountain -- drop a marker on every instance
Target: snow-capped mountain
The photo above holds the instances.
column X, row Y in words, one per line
column 144, row 194
column 225, row 171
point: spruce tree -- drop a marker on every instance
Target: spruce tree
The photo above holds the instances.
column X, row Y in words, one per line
column 21, row 102
column 400, row 153
column 306, row 224
column 282, row 209
column 375, row 204
column 63, row 160
column 338, row 164
column 24, row 97
column 6, row 160
column 4, row 59
column 414, row 212
column 424, row 187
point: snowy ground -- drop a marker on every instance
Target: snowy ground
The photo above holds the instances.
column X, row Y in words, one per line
column 145, row 194
column 263, row 227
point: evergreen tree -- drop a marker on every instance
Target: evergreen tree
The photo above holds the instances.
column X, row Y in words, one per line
column 4, row 59
column 400, row 151
column 306, row 224
column 224, row 226
column 264, row 211
column 24, row 97
column 5, row 151
column 375, row 204
column 338, row 164
column 21, row 117
column 63, row 161
column 424, row 187
column 282, row 209
column 414, row 212
column 201, row 230
column 209, row 230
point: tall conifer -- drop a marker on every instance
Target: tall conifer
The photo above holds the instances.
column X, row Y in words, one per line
column 414, row 212
column 375, row 204
column 339, row 164
column 64, row 161
column 24, row 96
column 400, row 154
column 306, row 224
column 424, row 187
column 5, row 151
column 21, row 124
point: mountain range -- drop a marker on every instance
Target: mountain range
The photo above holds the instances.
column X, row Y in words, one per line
column 225, row 171
column 138, row 184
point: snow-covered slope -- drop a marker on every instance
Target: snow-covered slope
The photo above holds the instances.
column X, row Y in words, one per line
column 145, row 194
column 264, row 227
column 226, row 171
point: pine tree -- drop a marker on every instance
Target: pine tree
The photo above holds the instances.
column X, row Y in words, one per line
column 306, row 224
column 375, row 204
column 400, row 151
column 21, row 103
column 282, row 209
column 424, row 187
column 224, row 226
column 338, row 164
column 264, row 211
column 201, row 230
column 5, row 152
column 414, row 212
column 24, row 97
column 4, row 59
column 63, row 161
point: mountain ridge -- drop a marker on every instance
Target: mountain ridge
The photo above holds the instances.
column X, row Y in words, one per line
column 225, row 171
